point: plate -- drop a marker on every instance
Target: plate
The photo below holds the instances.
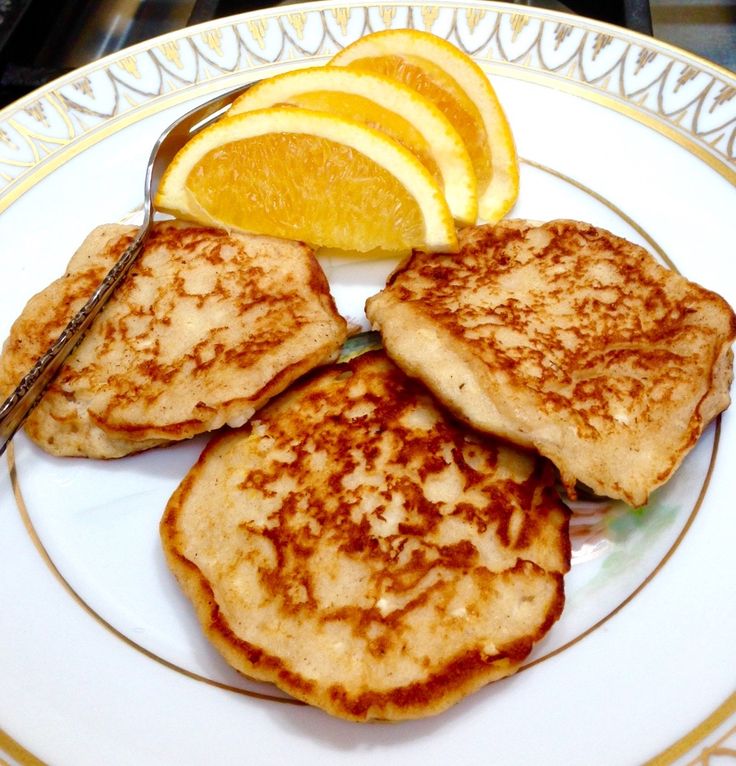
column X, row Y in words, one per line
column 101, row 659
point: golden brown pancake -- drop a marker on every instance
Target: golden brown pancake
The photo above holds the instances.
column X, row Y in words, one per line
column 206, row 328
column 570, row 340
column 365, row 552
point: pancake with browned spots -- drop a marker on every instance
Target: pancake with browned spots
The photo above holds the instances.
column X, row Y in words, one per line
column 568, row 339
column 206, row 328
column 366, row 553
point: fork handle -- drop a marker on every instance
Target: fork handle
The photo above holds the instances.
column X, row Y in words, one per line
column 29, row 391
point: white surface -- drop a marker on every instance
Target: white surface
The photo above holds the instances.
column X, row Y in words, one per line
column 85, row 678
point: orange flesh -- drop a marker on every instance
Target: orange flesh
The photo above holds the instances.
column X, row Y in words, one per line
column 436, row 85
column 344, row 196
column 361, row 109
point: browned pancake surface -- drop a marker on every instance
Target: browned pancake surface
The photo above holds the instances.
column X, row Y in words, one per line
column 365, row 553
column 568, row 339
column 207, row 327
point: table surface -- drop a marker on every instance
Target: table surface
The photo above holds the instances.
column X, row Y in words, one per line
column 705, row 27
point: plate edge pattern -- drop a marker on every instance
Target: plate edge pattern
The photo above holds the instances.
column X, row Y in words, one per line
column 688, row 99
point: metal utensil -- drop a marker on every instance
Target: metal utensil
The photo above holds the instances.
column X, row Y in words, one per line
column 19, row 404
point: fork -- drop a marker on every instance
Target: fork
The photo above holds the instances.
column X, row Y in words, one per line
column 29, row 391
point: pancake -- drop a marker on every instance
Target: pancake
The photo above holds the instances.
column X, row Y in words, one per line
column 207, row 328
column 565, row 338
column 365, row 552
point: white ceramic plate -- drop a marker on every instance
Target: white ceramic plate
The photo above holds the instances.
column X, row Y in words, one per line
column 101, row 660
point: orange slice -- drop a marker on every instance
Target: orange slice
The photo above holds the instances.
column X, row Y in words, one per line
column 459, row 87
column 305, row 175
column 387, row 105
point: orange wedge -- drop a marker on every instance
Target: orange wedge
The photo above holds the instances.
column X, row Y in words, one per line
column 306, row 175
column 459, row 87
column 387, row 105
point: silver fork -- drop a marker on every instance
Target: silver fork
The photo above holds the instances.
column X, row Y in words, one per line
column 19, row 404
